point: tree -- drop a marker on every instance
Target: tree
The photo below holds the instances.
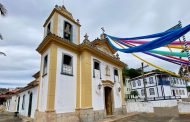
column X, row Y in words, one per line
column 132, row 73
column 188, row 88
column 1, row 37
column 124, row 73
column 3, row 12
column 184, row 71
column 134, row 93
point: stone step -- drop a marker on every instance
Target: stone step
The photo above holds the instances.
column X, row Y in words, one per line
column 114, row 118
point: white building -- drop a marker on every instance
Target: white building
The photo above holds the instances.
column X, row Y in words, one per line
column 77, row 81
column 160, row 86
column 27, row 100
column 127, row 88
column 24, row 101
column 11, row 103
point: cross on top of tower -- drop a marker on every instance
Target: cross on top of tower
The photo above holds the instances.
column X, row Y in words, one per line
column 103, row 30
column 86, row 36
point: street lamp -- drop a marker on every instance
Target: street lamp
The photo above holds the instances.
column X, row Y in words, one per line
column 144, row 82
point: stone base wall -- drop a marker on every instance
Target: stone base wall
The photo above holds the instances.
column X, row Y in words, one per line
column 86, row 115
column 184, row 107
column 45, row 116
column 81, row 115
column 118, row 111
column 99, row 114
column 53, row 117
column 166, row 111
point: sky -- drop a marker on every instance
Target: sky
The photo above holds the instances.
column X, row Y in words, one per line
column 22, row 29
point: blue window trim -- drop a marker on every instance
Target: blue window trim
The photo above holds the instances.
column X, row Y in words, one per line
column 63, row 73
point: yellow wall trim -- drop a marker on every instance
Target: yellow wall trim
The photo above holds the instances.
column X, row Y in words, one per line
column 52, row 78
column 78, row 83
column 55, row 23
column 86, row 84
column 122, row 87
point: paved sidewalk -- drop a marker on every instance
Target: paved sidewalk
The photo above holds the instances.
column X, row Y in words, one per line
column 153, row 118
column 8, row 117
column 117, row 118
column 143, row 117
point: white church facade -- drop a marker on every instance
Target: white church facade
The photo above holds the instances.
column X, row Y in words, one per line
column 78, row 81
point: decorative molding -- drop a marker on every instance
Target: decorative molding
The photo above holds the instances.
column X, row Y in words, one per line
column 107, row 83
column 54, row 39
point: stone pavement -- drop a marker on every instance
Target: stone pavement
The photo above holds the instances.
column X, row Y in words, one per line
column 8, row 117
column 117, row 118
column 143, row 117
column 153, row 118
column 132, row 117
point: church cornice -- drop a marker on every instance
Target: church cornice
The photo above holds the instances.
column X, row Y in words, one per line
column 54, row 39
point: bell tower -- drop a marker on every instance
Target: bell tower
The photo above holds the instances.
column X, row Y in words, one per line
column 61, row 31
column 61, row 23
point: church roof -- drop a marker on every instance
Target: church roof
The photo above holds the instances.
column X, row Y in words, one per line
column 62, row 11
column 103, row 42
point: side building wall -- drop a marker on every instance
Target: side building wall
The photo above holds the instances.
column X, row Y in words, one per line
column 43, row 90
column 24, row 105
column 11, row 104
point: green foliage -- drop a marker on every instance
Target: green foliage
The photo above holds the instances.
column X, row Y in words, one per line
column 1, row 37
column 132, row 73
column 3, row 10
column 188, row 88
column 124, row 73
column 134, row 93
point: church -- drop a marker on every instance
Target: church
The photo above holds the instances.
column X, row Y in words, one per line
column 79, row 81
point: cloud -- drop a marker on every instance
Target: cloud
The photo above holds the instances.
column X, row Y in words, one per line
column 22, row 29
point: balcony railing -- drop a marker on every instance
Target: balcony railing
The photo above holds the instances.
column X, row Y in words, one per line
column 67, row 70
column 164, row 82
column 154, row 98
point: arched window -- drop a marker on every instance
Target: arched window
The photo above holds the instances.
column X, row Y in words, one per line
column 67, row 65
column 49, row 28
column 67, row 34
column 45, row 65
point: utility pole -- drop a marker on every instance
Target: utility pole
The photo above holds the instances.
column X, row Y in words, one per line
column 144, row 82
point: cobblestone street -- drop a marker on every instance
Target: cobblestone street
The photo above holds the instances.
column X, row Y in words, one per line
column 8, row 117
column 153, row 118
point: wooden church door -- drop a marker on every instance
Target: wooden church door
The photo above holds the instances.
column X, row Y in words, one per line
column 108, row 100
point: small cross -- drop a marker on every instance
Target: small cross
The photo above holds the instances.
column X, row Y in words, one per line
column 86, row 36
column 103, row 29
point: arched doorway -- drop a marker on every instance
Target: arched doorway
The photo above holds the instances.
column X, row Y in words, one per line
column 173, row 91
column 18, row 104
column 108, row 100
column 30, row 105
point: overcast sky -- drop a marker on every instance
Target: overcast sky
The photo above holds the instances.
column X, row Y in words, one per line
column 22, row 29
